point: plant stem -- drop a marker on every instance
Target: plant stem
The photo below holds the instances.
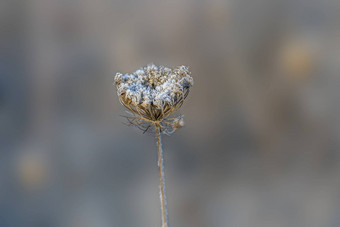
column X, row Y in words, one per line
column 164, row 208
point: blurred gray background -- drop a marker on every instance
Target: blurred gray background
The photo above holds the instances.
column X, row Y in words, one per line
column 261, row 143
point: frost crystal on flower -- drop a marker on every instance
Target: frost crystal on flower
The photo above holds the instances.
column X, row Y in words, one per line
column 152, row 94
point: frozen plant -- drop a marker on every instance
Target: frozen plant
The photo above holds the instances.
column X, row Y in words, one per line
column 152, row 94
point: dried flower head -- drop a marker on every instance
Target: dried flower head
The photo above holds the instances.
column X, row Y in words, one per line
column 152, row 94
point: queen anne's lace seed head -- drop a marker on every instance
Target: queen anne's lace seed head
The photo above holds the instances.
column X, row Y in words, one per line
column 152, row 93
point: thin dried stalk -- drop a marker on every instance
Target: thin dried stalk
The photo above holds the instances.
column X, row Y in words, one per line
column 164, row 207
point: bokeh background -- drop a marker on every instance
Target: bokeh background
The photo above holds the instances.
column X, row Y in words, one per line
column 261, row 143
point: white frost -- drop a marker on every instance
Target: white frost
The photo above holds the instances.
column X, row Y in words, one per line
column 154, row 85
